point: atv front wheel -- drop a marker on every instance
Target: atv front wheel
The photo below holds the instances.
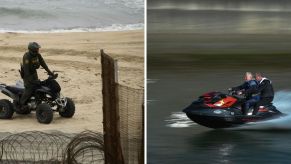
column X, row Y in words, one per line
column 44, row 113
column 69, row 110
column 6, row 109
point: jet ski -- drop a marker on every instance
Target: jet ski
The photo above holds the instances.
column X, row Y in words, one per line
column 219, row 110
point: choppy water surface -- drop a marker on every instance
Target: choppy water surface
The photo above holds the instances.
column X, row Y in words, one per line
column 173, row 138
column 70, row 15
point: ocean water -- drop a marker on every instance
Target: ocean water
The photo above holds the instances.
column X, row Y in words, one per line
column 173, row 138
column 70, row 15
column 197, row 46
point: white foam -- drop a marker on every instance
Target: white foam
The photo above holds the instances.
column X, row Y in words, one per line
column 114, row 27
column 282, row 101
column 179, row 120
column 137, row 4
column 150, row 81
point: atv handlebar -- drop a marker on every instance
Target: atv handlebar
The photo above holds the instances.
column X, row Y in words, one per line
column 53, row 76
column 50, row 77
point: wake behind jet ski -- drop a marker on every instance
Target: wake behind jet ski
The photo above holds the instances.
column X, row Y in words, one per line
column 220, row 110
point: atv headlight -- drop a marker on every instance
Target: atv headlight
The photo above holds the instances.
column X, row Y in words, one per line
column 61, row 101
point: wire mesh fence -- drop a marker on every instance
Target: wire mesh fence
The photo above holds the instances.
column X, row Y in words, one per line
column 123, row 118
column 86, row 148
column 131, row 123
column 52, row 148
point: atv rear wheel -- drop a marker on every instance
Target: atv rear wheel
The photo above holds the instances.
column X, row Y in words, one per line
column 6, row 109
column 69, row 110
column 44, row 113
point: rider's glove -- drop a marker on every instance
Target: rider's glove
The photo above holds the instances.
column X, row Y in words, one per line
column 51, row 73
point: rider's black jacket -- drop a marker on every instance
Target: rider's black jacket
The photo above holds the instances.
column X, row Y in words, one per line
column 265, row 88
column 31, row 62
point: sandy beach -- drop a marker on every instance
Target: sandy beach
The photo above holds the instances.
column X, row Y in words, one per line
column 77, row 56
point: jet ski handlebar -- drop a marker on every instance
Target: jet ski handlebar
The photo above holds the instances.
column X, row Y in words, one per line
column 237, row 94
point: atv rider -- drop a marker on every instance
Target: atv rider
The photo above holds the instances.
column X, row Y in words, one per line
column 32, row 60
column 251, row 98
column 266, row 91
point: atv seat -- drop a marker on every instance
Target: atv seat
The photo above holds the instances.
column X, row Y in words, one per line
column 15, row 90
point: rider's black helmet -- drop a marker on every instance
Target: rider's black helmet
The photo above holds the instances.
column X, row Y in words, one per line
column 33, row 46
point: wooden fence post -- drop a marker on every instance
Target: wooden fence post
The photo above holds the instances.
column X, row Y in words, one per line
column 111, row 125
column 141, row 155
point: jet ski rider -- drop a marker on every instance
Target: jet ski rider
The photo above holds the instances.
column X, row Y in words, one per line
column 266, row 91
column 248, row 88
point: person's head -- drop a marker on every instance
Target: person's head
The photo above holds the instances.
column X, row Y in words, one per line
column 259, row 76
column 248, row 76
column 34, row 47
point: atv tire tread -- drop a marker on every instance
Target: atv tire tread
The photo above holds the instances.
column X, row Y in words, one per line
column 44, row 113
column 9, row 109
column 69, row 109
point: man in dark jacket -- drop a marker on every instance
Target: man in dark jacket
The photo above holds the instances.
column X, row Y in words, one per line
column 32, row 60
column 249, row 84
column 266, row 91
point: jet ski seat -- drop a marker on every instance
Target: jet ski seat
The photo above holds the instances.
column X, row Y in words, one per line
column 267, row 105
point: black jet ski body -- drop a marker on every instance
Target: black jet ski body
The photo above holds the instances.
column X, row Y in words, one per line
column 219, row 110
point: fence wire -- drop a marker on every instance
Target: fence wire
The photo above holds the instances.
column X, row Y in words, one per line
column 131, row 123
column 85, row 148
column 52, row 148
column 123, row 120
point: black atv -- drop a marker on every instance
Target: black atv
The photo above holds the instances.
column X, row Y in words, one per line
column 45, row 100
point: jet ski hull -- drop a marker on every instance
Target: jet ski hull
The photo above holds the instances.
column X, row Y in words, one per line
column 218, row 110
column 220, row 118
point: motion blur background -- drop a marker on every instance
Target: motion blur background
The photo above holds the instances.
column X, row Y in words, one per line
column 195, row 46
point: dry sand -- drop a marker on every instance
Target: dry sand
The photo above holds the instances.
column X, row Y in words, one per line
column 77, row 55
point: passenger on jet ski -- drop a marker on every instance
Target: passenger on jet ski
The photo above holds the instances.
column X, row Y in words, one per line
column 249, row 85
column 266, row 91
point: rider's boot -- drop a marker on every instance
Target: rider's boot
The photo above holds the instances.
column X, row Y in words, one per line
column 18, row 105
column 16, row 102
column 245, row 110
